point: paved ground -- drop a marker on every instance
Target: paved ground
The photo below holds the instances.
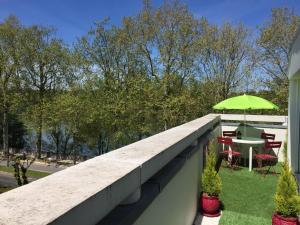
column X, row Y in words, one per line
column 8, row 180
column 203, row 220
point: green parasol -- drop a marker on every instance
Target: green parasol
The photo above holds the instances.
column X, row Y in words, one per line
column 245, row 102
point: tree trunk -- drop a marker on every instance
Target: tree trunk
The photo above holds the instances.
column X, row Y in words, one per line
column 39, row 141
column 40, row 113
column 64, row 153
column 40, row 126
column 75, row 154
column 100, row 144
column 56, row 134
column 65, row 146
column 140, row 136
column 75, row 146
column 165, row 125
column 5, row 135
column 99, row 147
column 57, row 148
column 107, row 146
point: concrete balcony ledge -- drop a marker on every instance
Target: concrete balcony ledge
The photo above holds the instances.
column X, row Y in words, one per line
column 254, row 118
column 85, row 193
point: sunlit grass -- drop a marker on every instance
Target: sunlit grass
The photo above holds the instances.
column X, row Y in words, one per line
column 247, row 197
column 30, row 173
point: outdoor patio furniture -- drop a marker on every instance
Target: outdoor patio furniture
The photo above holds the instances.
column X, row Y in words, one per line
column 269, row 155
column 267, row 136
column 230, row 155
column 249, row 141
column 229, row 133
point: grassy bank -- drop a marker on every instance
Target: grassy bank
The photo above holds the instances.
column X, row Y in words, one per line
column 30, row 173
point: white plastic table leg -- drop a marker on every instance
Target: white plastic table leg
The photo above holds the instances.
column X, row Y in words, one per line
column 250, row 158
column 230, row 155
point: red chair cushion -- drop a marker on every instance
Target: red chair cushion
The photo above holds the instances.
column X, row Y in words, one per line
column 265, row 156
column 224, row 140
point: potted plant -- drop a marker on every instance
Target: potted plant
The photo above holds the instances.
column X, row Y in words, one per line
column 211, row 184
column 287, row 200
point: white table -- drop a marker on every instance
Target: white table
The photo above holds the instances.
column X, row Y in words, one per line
column 249, row 141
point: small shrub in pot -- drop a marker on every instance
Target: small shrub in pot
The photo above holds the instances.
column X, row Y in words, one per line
column 287, row 200
column 211, row 184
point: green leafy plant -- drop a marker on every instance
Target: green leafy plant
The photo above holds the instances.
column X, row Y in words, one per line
column 287, row 200
column 211, row 181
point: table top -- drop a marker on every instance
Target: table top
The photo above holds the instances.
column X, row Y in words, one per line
column 248, row 140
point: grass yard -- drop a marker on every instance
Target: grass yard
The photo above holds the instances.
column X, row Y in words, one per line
column 30, row 173
column 247, row 197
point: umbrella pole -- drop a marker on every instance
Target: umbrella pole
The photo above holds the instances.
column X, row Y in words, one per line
column 245, row 123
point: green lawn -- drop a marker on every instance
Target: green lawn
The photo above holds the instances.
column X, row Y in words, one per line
column 30, row 173
column 247, row 197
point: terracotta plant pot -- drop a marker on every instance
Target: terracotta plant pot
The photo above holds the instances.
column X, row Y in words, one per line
column 280, row 220
column 210, row 205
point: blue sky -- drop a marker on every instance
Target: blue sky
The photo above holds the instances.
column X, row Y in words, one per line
column 73, row 18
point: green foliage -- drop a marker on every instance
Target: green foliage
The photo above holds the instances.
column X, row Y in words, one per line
column 10, row 36
column 272, row 53
column 45, row 70
column 121, row 83
column 225, row 56
column 287, row 200
column 211, row 181
column 16, row 132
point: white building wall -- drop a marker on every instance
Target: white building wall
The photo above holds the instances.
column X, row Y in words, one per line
column 177, row 203
column 294, row 106
column 294, row 124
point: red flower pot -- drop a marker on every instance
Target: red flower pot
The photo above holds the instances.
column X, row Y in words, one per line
column 210, row 205
column 280, row 220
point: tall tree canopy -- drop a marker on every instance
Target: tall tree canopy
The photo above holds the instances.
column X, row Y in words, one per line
column 44, row 61
column 273, row 47
column 10, row 36
column 225, row 56
column 120, row 83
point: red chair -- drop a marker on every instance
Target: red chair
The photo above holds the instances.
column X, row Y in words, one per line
column 229, row 133
column 267, row 136
column 269, row 155
column 227, row 142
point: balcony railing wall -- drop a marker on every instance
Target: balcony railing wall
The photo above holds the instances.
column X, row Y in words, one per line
column 153, row 181
column 177, row 203
column 89, row 192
